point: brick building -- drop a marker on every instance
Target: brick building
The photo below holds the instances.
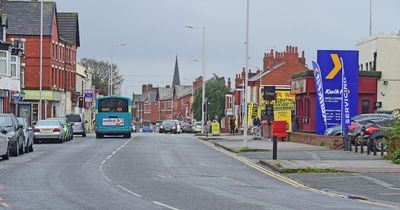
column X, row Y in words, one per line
column 278, row 67
column 183, row 100
column 60, row 43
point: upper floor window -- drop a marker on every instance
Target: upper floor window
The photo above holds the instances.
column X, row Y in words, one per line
column 3, row 62
column 14, row 66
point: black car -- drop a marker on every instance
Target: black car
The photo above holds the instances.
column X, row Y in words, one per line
column 14, row 131
column 168, row 126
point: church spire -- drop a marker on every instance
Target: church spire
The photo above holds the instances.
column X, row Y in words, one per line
column 176, row 80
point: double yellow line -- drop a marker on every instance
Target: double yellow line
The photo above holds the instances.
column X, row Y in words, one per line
column 292, row 182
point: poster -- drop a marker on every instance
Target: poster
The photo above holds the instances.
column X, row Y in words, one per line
column 284, row 115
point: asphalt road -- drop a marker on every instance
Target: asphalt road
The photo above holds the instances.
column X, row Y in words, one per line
column 150, row 171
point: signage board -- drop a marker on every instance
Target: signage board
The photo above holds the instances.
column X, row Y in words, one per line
column 332, row 63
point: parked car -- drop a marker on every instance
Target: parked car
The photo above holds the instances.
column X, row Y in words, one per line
column 196, row 127
column 48, row 130
column 28, row 134
column 186, row 127
column 361, row 119
column 147, row 129
column 67, row 126
column 178, row 125
column 169, row 126
column 14, row 131
column 4, row 149
column 79, row 127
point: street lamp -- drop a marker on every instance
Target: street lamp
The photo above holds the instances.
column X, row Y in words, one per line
column 110, row 80
column 41, row 62
column 245, row 126
column 203, row 96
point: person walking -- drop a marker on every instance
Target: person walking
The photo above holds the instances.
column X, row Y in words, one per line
column 232, row 125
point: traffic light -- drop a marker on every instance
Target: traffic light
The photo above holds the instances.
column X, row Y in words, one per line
column 80, row 102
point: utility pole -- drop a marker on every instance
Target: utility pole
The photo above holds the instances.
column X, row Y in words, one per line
column 41, row 62
column 245, row 126
column 370, row 17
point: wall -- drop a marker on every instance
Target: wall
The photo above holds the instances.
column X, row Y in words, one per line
column 334, row 142
column 387, row 48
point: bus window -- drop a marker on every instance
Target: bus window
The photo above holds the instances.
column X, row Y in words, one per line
column 113, row 105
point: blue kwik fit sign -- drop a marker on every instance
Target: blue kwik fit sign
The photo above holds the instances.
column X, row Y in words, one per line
column 340, row 88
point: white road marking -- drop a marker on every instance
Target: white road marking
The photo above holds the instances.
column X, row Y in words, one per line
column 129, row 191
column 6, row 205
column 102, row 162
column 165, row 205
column 108, row 157
column 106, row 177
column 113, row 153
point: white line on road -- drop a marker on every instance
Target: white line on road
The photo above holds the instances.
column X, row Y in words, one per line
column 6, row 205
column 129, row 191
column 106, row 177
column 102, row 162
column 113, row 153
column 165, row 205
column 108, row 157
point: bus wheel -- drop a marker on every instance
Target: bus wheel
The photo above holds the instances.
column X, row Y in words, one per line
column 99, row 135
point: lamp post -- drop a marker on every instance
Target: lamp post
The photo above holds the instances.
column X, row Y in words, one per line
column 245, row 126
column 110, row 80
column 41, row 62
column 203, row 96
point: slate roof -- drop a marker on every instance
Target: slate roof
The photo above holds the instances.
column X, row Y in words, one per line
column 68, row 27
column 150, row 96
column 139, row 98
column 165, row 93
column 183, row 90
column 24, row 17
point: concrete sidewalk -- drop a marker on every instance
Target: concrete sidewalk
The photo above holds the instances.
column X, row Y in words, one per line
column 365, row 176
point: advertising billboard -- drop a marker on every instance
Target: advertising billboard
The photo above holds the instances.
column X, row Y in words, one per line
column 336, row 67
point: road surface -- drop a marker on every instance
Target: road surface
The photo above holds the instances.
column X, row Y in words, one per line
column 149, row 171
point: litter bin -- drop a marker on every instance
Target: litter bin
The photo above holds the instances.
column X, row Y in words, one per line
column 215, row 128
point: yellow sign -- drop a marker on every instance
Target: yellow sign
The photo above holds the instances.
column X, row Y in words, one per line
column 285, row 100
column 47, row 95
column 337, row 65
column 284, row 115
column 215, row 129
column 252, row 112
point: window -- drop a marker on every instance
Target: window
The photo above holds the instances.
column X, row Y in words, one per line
column 113, row 105
column 366, row 105
column 3, row 62
column 14, row 66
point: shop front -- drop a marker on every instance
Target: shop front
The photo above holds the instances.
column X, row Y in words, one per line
column 51, row 103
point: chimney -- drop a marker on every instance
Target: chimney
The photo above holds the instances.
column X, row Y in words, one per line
column 229, row 83
column 149, row 87
column 144, row 88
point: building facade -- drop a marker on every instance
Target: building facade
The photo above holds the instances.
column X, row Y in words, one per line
column 381, row 53
column 60, row 43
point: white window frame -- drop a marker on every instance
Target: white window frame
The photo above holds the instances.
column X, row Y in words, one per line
column 7, row 73
column 17, row 67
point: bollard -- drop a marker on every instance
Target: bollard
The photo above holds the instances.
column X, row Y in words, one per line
column 355, row 145
column 362, row 146
column 349, row 143
column 382, row 148
column 374, row 144
column 274, row 147
column 368, row 146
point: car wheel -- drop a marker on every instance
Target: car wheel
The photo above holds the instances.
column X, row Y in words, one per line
column 84, row 135
column 31, row 148
column 61, row 140
column 15, row 151
column 378, row 144
column 99, row 135
column 7, row 155
column 27, row 148
column 72, row 137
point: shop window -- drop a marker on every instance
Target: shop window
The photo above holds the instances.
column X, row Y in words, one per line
column 366, row 106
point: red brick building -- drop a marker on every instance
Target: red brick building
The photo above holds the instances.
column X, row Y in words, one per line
column 60, row 43
column 278, row 67
column 183, row 99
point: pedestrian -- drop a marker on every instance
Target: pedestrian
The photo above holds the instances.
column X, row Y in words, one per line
column 232, row 125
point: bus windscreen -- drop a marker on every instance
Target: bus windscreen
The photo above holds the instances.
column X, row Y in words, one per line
column 113, row 105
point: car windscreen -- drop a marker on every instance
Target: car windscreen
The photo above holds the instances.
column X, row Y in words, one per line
column 169, row 123
column 61, row 120
column 47, row 123
column 74, row 118
column 113, row 105
column 5, row 121
column 21, row 121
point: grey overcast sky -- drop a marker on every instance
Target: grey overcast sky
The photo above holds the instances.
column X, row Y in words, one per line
column 155, row 32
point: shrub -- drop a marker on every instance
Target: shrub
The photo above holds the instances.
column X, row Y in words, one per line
column 393, row 135
column 396, row 157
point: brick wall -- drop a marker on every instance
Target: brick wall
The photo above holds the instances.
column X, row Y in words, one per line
column 334, row 142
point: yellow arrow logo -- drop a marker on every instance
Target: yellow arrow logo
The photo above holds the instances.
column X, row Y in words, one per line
column 336, row 68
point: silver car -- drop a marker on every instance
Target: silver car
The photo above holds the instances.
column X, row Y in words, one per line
column 4, row 154
column 28, row 133
column 48, row 130
column 79, row 123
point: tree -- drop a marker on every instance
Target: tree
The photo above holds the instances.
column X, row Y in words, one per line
column 101, row 73
column 215, row 95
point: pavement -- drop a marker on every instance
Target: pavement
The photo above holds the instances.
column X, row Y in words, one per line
column 150, row 171
column 361, row 175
